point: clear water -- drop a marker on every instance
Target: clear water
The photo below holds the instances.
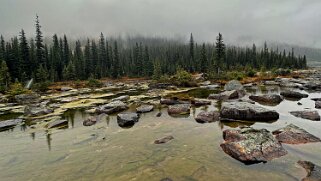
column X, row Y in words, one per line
column 107, row 152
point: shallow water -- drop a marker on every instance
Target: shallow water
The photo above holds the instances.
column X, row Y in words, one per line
column 107, row 152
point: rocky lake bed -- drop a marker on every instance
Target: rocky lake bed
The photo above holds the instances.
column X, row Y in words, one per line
column 267, row 130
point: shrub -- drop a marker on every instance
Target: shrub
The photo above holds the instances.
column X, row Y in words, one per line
column 94, row 83
column 251, row 73
column 183, row 78
column 17, row 89
column 41, row 86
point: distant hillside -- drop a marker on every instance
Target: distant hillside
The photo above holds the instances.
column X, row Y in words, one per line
column 313, row 54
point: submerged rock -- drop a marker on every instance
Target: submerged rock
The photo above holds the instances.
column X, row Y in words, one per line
column 200, row 102
column 313, row 171
column 57, row 123
column 247, row 111
column 112, row 107
column 292, row 134
column 267, row 99
column 93, row 120
column 250, row 145
column 311, row 115
column 179, row 109
column 294, row 94
column 27, row 98
column 9, row 123
column 208, row 117
column 159, row 114
column 164, row 140
column 233, row 85
column 127, row 119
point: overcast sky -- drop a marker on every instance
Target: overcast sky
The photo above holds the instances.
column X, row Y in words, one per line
column 240, row 21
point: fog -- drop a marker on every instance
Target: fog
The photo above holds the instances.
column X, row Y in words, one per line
column 241, row 21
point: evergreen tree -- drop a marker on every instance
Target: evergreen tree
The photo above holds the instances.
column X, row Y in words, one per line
column 157, row 70
column 191, row 57
column 115, row 68
column 4, row 75
column 40, row 57
column 220, row 51
column 203, row 60
column 2, row 48
column 42, row 74
column 25, row 57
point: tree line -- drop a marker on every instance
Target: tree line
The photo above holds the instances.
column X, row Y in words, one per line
column 22, row 58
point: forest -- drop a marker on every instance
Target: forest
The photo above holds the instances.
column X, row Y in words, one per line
column 60, row 60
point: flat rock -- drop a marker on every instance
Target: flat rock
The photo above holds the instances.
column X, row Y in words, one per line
column 313, row 171
column 267, row 99
column 247, row 111
column 200, row 102
column 164, row 140
column 112, row 107
column 127, row 119
column 170, row 101
column 122, row 98
column 293, row 94
column 311, row 115
column 179, row 109
column 66, row 88
column 233, row 85
column 10, row 123
column 292, row 134
column 36, row 111
column 145, row 108
column 250, row 145
column 57, row 123
column 208, row 117
column 27, row 98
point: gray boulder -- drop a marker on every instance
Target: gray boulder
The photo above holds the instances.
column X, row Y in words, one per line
column 145, row 108
column 200, row 102
column 293, row 94
column 179, row 109
column 208, row 117
column 112, row 107
column 233, row 85
column 267, row 99
column 292, row 134
column 127, row 119
column 247, row 111
column 226, row 95
column 250, row 145
column 122, row 98
column 311, row 115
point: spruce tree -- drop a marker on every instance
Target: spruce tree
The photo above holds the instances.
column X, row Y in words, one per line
column 40, row 57
column 220, row 51
column 203, row 59
column 25, row 57
column 4, row 75
column 191, row 56
column 115, row 68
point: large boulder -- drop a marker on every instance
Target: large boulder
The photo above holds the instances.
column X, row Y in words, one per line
column 112, row 107
column 9, row 123
column 267, row 99
column 179, row 109
column 145, row 108
column 311, row 115
column 247, row 111
column 208, row 117
column 127, row 119
column 250, row 145
column 293, row 94
column 27, row 98
column 292, row 134
column 313, row 171
column 233, row 85
column 37, row 110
